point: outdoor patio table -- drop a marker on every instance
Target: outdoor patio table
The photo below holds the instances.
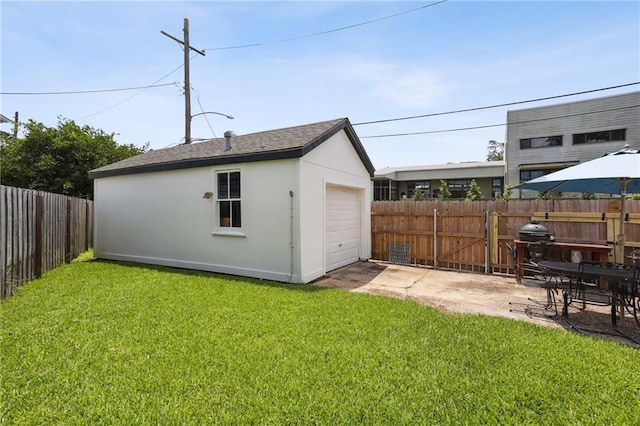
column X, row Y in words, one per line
column 599, row 253
column 622, row 282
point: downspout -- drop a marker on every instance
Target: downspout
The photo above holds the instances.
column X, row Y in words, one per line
column 291, row 235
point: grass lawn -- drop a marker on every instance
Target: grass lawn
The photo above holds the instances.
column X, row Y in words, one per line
column 97, row 342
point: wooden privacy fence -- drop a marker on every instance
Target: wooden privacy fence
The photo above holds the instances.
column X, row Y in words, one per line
column 39, row 231
column 473, row 235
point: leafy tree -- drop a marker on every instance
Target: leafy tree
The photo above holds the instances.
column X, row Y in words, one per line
column 58, row 159
column 418, row 195
column 506, row 194
column 545, row 195
column 443, row 191
column 474, row 193
column 495, row 151
column 588, row 196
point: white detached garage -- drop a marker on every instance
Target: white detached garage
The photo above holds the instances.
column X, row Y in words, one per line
column 286, row 205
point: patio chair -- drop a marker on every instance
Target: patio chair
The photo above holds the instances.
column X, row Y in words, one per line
column 586, row 289
column 537, row 276
column 621, row 294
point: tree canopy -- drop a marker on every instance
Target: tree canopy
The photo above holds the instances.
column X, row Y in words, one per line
column 57, row 159
column 443, row 191
column 474, row 193
column 495, row 151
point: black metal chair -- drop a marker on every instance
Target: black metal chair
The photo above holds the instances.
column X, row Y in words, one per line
column 536, row 275
column 586, row 289
column 622, row 292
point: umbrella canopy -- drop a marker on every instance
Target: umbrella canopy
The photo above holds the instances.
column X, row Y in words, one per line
column 605, row 175
column 614, row 173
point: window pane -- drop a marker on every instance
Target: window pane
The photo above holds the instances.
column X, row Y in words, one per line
column 234, row 185
column 225, row 213
column 598, row 137
column 235, row 214
column 223, row 186
column 618, row 135
column 541, row 142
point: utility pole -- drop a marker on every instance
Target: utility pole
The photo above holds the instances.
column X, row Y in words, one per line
column 15, row 126
column 187, row 84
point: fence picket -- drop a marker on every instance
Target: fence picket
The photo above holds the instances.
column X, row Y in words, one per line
column 462, row 227
column 34, row 235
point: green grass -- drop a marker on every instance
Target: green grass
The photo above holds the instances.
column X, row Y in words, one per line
column 97, row 342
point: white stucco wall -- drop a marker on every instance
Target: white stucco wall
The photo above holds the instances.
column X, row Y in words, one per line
column 162, row 218
column 335, row 162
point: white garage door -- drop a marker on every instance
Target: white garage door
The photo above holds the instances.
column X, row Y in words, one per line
column 342, row 239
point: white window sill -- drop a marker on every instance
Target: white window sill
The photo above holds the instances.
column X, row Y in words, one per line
column 229, row 233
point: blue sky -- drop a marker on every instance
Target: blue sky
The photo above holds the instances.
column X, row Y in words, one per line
column 450, row 56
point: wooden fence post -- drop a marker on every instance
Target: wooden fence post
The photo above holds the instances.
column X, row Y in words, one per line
column 39, row 235
column 68, row 234
column 435, row 238
column 489, row 243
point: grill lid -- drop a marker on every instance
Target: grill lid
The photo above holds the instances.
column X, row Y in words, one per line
column 534, row 232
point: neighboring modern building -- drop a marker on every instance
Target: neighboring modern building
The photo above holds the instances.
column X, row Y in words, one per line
column 545, row 139
column 400, row 182
column 286, row 205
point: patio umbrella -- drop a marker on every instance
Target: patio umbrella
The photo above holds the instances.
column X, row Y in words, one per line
column 613, row 173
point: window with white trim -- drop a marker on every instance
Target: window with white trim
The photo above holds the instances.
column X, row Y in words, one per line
column 229, row 200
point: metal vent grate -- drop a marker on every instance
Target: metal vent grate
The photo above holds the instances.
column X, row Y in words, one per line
column 400, row 253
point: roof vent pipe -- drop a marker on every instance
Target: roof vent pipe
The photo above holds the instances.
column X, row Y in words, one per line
column 227, row 139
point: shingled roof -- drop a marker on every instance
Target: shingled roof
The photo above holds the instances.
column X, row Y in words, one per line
column 290, row 142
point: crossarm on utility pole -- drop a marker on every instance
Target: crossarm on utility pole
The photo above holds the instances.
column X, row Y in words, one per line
column 182, row 42
column 187, row 84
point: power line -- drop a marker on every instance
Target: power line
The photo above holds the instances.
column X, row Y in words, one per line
column 80, row 92
column 205, row 116
column 132, row 96
column 243, row 46
column 493, row 106
column 494, row 125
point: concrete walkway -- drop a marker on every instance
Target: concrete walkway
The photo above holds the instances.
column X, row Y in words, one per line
column 449, row 291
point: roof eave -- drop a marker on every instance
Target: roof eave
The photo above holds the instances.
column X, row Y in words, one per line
column 200, row 162
column 353, row 138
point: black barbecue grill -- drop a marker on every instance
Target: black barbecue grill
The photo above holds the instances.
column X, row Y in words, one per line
column 537, row 234
column 534, row 232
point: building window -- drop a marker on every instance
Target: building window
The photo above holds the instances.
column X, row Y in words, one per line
column 423, row 185
column 384, row 190
column 229, row 201
column 459, row 187
column 540, row 142
column 526, row 175
column 617, row 135
column 496, row 186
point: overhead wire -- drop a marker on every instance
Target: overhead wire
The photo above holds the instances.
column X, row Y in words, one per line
column 136, row 94
column 219, row 48
column 387, row 120
column 371, row 21
column 81, row 92
column 495, row 125
column 205, row 115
